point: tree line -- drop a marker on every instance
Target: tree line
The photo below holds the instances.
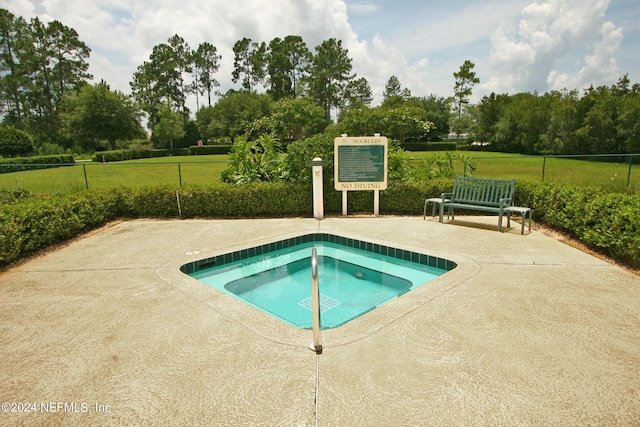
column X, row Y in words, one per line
column 605, row 119
column 286, row 90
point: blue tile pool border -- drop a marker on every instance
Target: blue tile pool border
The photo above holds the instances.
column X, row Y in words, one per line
column 218, row 260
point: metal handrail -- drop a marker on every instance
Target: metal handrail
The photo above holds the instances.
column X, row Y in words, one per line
column 316, row 345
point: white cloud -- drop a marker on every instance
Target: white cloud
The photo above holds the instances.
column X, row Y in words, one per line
column 534, row 57
column 363, row 8
column 22, row 8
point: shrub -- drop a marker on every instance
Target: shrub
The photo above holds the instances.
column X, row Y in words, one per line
column 607, row 223
column 10, row 195
column 30, row 224
column 17, row 164
column 14, row 142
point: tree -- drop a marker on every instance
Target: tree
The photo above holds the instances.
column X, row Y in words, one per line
column 564, row 120
column 58, row 65
column 330, row 73
column 465, row 80
column 205, row 65
column 170, row 128
column 280, row 84
column 629, row 125
column 357, row 94
column 160, row 80
column 182, row 58
column 524, row 120
column 288, row 60
column 13, row 72
column 438, row 112
column 392, row 88
column 232, row 115
column 249, row 63
column 38, row 64
column 14, row 142
column 490, row 110
column 400, row 123
column 299, row 59
column 296, row 119
column 95, row 113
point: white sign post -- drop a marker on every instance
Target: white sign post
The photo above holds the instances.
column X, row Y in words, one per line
column 360, row 164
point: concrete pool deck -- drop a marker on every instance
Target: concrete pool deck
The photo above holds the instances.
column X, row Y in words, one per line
column 525, row 331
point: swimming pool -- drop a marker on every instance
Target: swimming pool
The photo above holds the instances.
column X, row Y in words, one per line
column 354, row 276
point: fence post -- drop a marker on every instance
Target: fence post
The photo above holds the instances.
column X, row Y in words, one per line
column 629, row 173
column 180, row 174
column 544, row 166
column 86, row 181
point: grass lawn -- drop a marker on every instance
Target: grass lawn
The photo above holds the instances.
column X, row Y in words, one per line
column 206, row 169
column 162, row 170
column 612, row 176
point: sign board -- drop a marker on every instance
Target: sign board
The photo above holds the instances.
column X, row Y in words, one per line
column 360, row 163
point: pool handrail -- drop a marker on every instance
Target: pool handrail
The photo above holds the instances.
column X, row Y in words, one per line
column 316, row 345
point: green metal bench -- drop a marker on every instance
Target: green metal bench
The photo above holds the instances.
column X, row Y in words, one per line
column 480, row 194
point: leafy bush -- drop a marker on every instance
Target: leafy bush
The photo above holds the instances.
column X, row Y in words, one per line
column 262, row 160
column 17, row 164
column 607, row 223
column 10, row 195
column 30, row 224
column 14, row 142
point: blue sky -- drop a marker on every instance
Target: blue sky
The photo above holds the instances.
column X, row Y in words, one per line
column 516, row 45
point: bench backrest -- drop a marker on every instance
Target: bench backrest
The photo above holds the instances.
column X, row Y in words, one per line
column 483, row 191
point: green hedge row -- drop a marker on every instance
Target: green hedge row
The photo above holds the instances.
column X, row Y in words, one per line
column 16, row 164
column 121, row 155
column 196, row 150
column 608, row 223
column 429, row 146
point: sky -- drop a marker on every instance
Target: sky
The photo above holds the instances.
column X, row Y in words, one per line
column 516, row 45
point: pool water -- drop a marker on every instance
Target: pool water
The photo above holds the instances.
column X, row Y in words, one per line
column 352, row 280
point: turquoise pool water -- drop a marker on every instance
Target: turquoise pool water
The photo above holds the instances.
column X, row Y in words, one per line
column 354, row 277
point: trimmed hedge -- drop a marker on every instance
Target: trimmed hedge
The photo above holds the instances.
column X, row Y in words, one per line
column 608, row 223
column 30, row 224
column 16, row 164
column 429, row 146
column 121, row 155
column 196, row 150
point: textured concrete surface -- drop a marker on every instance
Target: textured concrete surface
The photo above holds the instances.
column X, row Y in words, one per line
column 525, row 331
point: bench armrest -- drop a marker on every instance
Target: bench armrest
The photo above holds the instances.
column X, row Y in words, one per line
column 445, row 196
column 505, row 202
